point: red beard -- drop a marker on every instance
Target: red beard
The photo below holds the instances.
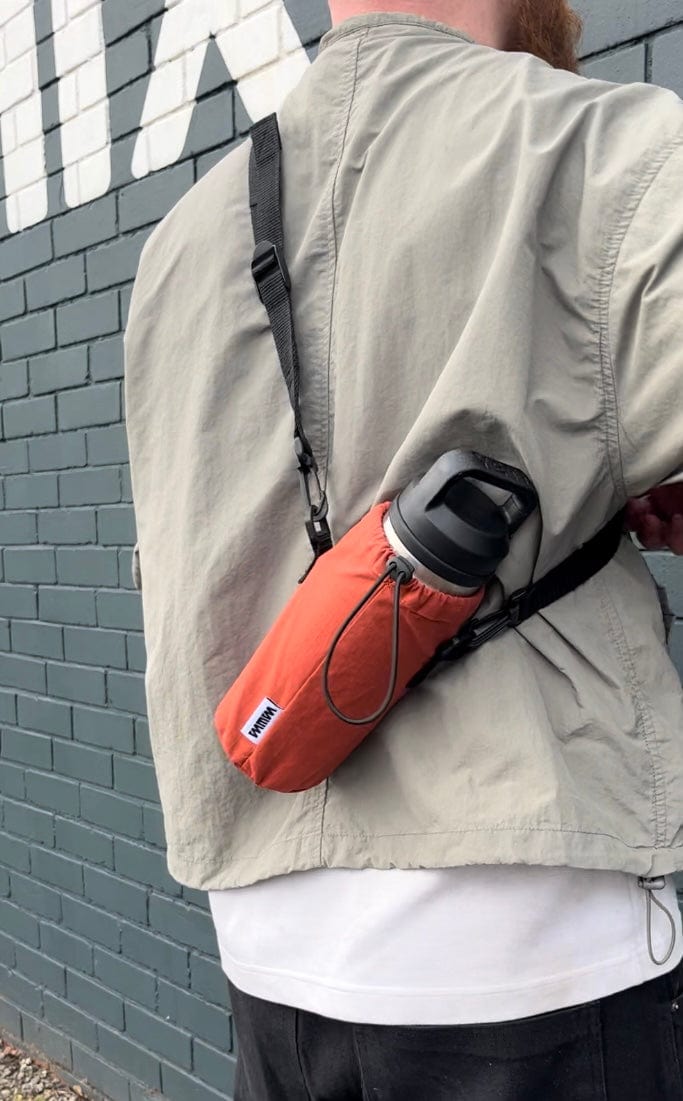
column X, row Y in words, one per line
column 551, row 30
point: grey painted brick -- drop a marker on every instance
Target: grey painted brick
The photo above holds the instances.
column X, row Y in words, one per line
column 135, row 1058
column 126, row 691
column 83, row 840
column 120, row 19
column 14, row 380
column 21, row 672
column 183, row 923
column 35, row 897
column 143, row 745
column 115, row 894
column 153, row 826
column 147, row 200
column 112, row 811
column 20, row 991
column 120, row 974
column 7, row 945
column 15, row 854
column 90, row 487
column 59, row 370
column 17, row 601
column 58, row 452
column 19, row 925
column 667, row 569
column 67, row 605
column 151, row 950
column 88, row 225
column 27, row 749
column 29, row 822
column 177, row 1086
column 29, row 416
column 127, row 60
column 38, row 639
column 126, row 579
column 107, row 445
column 144, row 865
column 24, row 491
column 12, row 299
column 42, row 17
column 137, row 658
column 76, row 683
column 119, row 609
column 54, row 792
column 93, row 924
column 8, row 707
column 623, row 66
column 110, row 1081
column 116, row 525
column 48, row 1041
column 55, row 282
column 106, row 358
column 212, row 1066
column 48, row 716
column 10, row 1019
column 31, row 564
column 159, row 1036
column 40, row 969
column 94, row 998
column 212, row 123
column 4, row 634
column 96, row 315
column 67, row 947
column 310, row 20
column 117, row 262
column 208, row 161
column 14, row 457
column 134, row 777
column 12, row 781
column 104, row 729
column 26, row 250
column 69, row 1019
column 667, row 60
column 87, row 566
column 187, row 1010
column 4, row 883
column 612, row 22
column 676, row 646
column 18, row 527
column 33, row 333
column 95, row 404
column 94, row 646
column 125, row 296
column 67, row 525
column 81, row 763
column 125, row 109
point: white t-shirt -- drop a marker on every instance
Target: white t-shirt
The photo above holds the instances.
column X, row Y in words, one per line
column 443, row 946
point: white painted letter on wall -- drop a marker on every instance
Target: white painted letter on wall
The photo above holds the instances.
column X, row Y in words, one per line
column 21, row 117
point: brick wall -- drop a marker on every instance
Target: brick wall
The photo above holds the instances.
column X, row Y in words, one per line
column 109, row 111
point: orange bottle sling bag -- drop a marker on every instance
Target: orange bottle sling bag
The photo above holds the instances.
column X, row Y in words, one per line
column 311, row 692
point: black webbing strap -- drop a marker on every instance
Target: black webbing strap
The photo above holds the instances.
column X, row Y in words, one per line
column 271, row 276
column 574, row 571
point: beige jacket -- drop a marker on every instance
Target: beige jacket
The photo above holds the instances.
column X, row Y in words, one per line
column 485, row 253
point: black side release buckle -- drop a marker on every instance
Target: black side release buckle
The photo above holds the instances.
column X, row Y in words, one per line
column 268, row 259
column 478, row 631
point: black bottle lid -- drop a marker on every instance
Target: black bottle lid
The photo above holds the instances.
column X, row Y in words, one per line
column 452, row 526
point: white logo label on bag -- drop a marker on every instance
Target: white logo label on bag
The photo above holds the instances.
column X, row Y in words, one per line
column 262, row 720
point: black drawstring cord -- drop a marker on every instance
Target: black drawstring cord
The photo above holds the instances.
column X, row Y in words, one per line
column 402, row 572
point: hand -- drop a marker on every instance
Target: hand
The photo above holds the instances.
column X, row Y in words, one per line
column 657, row 518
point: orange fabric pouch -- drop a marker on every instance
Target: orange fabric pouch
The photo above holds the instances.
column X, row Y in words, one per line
column 275, row 723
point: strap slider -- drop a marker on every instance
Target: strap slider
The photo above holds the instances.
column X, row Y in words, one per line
column 268, row 259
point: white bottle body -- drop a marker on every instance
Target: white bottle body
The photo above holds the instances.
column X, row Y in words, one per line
column 421, row 572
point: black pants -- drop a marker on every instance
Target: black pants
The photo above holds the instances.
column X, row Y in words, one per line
column 627, row 1047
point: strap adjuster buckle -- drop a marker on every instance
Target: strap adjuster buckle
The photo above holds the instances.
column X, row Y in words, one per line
column 478, row 631
column 268, row 259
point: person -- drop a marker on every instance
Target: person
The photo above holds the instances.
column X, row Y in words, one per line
column 486, row 251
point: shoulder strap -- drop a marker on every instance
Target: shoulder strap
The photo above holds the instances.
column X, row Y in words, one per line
column 271, row 276
column 574, row 571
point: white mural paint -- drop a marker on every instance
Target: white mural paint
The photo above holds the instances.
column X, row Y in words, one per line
column 256, row 38
column 83, row 106
column 21, row 117
column 259, row 45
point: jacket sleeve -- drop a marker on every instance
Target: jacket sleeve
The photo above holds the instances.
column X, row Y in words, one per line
column 644, row 341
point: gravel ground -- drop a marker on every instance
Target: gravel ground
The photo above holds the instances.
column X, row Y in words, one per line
column 25, row 1079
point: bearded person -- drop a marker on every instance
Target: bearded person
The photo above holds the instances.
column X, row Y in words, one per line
column 485, row 251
